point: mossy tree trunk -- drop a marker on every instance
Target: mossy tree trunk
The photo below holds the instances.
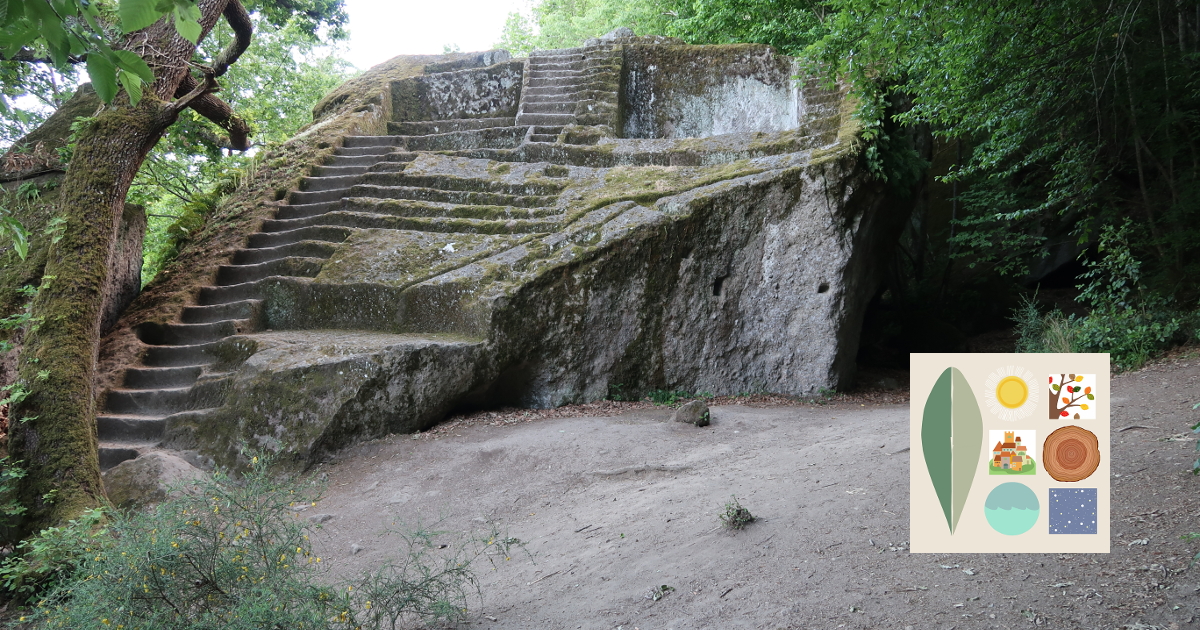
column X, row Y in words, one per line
column 54, row 428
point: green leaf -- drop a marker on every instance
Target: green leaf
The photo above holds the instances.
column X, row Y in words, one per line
column 188, row 28
column 1054, row 387
column 951, row 441
column 133, row 85
column 1091, row 397
column 131, row 62
column 4, row 12
column 138, row 14
column 104, row 77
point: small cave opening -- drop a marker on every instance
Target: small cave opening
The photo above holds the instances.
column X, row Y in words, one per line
column 823, row 287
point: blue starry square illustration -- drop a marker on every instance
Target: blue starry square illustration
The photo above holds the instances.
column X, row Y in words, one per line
column 1072, row 510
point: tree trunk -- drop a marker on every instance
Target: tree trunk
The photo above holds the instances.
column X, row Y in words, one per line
column 54, row 428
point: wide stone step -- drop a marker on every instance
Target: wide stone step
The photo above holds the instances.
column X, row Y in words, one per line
column 355, row 161
column 376, row 150
column 185, row 334
column 426, row 127
column 552, row 95
column 556, row 74
column 491, row 138
column 572, row 84
column 414, row 208
column 299, row 197
column 292, row 211
column 552, row 129
column 241, row 309
column 367, row 220
column 112, row 454
column 317, row 184
column 557, row 52
column 220, row 296
column 154, row 378
column 466, row 184
column 549, row 107
column 452, row 196
column 130, row 427
column 275, row 239
column 294, row 266
column 147, row 401
column 304, row 249
column 175, row 356
column 339, row 171
column 543, row 137
column 375, row 142
column 542, row 64
column 547, row 119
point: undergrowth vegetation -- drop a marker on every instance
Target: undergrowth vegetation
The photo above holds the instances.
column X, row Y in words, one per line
column 235, row 553
column 1125, row 319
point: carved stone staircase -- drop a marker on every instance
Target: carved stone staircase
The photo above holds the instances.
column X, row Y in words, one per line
column 570, row 86
column 363, row 186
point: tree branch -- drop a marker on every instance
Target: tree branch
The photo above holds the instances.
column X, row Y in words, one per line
column 28, row 56
column 216, row 110
column 243, row 29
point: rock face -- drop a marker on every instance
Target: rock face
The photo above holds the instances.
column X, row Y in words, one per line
column 634, row 214
column 149, row 479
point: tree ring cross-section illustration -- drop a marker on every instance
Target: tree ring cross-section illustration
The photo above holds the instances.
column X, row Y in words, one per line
column 1071, row 453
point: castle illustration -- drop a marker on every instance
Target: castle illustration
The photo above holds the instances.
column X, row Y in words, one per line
column 1010, row 454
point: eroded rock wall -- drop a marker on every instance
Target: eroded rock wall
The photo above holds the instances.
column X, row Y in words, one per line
column 676, row 91
column 492, row 91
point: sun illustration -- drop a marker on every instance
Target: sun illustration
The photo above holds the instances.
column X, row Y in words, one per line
column 1008, row 393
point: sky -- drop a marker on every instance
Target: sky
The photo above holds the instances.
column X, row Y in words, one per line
column 382, row 29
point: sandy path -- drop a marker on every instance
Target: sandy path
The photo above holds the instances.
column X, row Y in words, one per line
column 612, row 507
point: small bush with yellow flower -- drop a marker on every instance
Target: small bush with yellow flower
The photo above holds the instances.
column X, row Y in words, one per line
column 235, row 554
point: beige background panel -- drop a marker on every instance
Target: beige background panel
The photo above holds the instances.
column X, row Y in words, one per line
column 927, row 523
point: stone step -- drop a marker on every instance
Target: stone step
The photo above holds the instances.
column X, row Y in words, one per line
column 414, row 208
column 552, row 130
column 552, row 95
column 320, row 184
column 302, row 197
column 376, row 150
column 153, row 378
column 557, row 74
column 557, row 52
column 337, row 171
column 426, row 127
column 355, row 161
column 304, row 249
column 570, row 84
column 452, row 196
column 275, row 239
column 543, row 137
column 366, row 220
column 220, row 296
column 543, row 64
column 547, row 119
column 112, row 454
column 374, row 142
column 464, row 184
column 548, row 107
column 178, row 356
column 242, row 309
column 294, row 266
column 490, row 138
column 306, row 209
column 147, row 401
column 186, row 334
column 130, row 427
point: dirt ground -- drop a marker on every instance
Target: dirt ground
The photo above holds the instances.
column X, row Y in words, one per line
column 617, row 500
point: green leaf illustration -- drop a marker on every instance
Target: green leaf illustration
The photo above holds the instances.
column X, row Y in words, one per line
column 952, row 440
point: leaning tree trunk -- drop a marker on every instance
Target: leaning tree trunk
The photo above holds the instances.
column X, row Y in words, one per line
column 54, row 428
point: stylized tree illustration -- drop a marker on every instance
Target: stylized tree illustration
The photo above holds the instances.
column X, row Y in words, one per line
column 1067, row 394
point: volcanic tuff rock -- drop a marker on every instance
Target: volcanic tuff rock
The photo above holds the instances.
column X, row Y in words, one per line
column 633, row 214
